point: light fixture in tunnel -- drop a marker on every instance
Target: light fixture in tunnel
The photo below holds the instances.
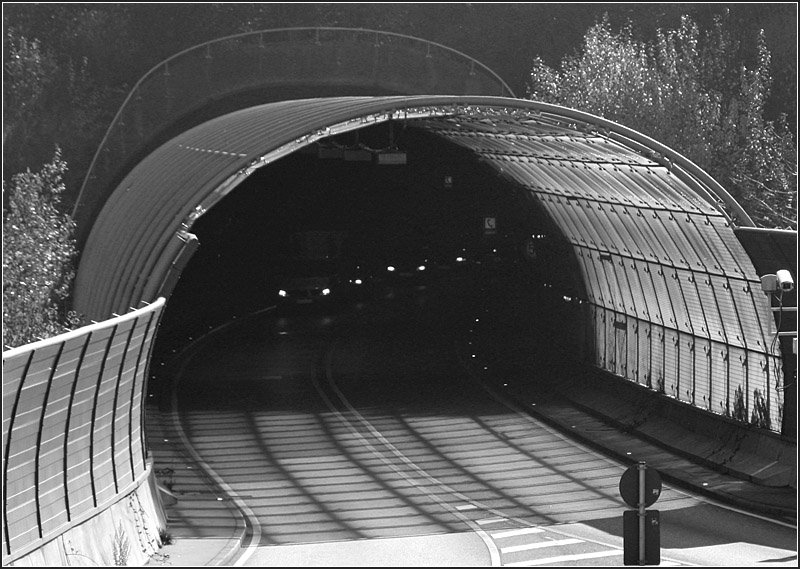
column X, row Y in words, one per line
column 391, row 155
column 357, row 155
column 391, row 158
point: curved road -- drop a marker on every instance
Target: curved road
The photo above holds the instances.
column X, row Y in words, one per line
column 356, row 431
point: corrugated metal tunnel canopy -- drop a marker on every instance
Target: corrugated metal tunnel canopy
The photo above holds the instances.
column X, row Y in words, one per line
column 670, row 290
column 144, row 223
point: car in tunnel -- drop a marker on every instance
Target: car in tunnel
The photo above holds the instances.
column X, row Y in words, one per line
column 305, row 290
column 404, row 270
column 306, row 282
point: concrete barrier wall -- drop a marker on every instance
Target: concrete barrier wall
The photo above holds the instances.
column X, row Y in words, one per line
column 73, row 437
column 125, row 533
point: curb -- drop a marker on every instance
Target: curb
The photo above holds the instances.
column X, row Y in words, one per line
column 722, row 480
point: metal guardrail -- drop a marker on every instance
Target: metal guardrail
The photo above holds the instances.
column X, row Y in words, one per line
column 73, row 426
column 275, row 64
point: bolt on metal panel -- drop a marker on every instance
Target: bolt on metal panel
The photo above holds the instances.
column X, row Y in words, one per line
column 696, row 313
column 708, row 300
column 649, row 311
column 614, row 184
column 713, row 231
column 590, row 277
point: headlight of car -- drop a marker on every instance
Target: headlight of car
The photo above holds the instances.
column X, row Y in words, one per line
column 326, row 291
column 282, row 293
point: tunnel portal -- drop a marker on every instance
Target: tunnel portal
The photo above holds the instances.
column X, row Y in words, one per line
column 664, row 294
column 627, row 249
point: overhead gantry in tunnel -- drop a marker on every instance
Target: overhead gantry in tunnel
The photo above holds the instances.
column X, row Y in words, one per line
column 669, row 297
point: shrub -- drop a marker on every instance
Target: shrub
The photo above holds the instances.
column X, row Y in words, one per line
column 701, row 93
column 38, row 256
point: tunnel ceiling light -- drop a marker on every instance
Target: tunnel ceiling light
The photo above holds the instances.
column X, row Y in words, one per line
column 357, row 155
column 391, row 158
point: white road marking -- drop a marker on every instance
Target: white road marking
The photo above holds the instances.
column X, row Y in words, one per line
column 562, row 558
column 515, row 532
column 539, row 545
column 491, row 521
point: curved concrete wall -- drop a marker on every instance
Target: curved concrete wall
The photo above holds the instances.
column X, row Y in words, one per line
column 73, row 435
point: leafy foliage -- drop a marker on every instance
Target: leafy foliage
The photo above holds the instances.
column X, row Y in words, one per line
column 68, row 67
column 51, row 92
column 739, row 411
column 38, row 253
column 760, row 414
column 699, row 93
column 24, row 71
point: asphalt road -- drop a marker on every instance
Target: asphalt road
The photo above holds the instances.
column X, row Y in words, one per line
column 352, row 434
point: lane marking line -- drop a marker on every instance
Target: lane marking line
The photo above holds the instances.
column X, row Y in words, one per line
column 539, row 545
column 562, row 558
column 491, row 521
column 515, row 532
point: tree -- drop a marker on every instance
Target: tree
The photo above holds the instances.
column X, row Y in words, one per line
column 38, row 256
column 61, row 84
column 701, row 94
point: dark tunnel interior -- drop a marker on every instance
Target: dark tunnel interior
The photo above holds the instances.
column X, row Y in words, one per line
column 434, row 206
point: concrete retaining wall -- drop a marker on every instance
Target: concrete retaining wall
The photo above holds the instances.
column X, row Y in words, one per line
column 739, row 449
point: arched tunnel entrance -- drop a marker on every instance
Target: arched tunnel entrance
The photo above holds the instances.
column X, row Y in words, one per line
column 575, row 240
column 432, row 209
column 644, row 277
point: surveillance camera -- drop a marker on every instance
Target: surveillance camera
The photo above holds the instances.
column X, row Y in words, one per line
column 769, row 283
column 785, row 281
